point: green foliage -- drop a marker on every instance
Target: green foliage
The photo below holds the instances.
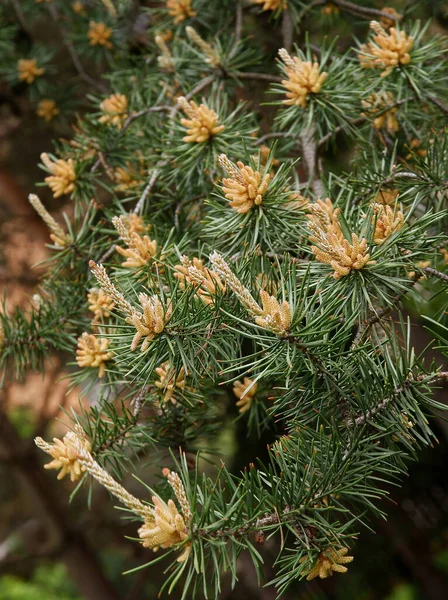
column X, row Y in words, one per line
column 49, row 582
column 340, row 386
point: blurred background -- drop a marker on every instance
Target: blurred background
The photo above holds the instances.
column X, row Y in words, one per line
column 51, row 549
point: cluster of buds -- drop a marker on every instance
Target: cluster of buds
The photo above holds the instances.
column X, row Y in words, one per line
column 115, row 110
column 386, row 50
column 196, row 274
column 298, row 201
column 380, row 107
column 65, row 453
column 169, row 527
column 303, row 79
column 272, row 315
column 110, row 7
column 386, row 196
column 386, row 222
column 245, row 392
column 163, row 525
column 202, row 122
column 100, row 304
column 210, row 54
column 387, row 22
column 47, row 109
column 165, row 60
column 99, row 34
column 244, row 187
column 180, row 10
column 329, row 9
column 169, row 381
column 126, row 178
column 92, row 352
column 271, row 4
column 59, row 237
column 140, row 249
column 78, row 7
column 328, row 562
column 28, row 70
column 148, row 323
column 63, row 176
column 332, row 248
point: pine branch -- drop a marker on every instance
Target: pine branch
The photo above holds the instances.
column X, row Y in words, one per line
column 377, row 316
column 433, row 378
column 435, row 273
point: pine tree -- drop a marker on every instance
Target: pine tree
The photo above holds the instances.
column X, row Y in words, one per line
column 225, row 257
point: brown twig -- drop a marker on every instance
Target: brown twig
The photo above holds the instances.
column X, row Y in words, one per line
column 287, row 30
column 437, row 103
column 139, row 206
column 310, row 155
column 269, row 136
column 435, row 273
column 238, row 28
column 257, row 76
column 362, row 11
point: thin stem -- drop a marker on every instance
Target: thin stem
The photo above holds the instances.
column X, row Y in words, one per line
column 198, row 88
column 287, row 30
column 238, row 28
column 323, row 371
column 141, row 113
column 310, row 148
column 139, row 206
column 71, row 50
column 323, row 140
column 435, row 273
column 362, row 11
column 269, row 136
column 437, row 103
column 258, row 76
column 376, row 317
column 20, row 16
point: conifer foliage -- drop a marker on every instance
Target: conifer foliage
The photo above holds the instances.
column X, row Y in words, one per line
column 227, row 256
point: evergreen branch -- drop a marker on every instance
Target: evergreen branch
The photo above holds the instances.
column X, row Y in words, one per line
column 130, row 119
column 377, row 316
column 433, row 378
column 323, row 371
column 435, row 273
column 119, row 435
column 359, row 121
